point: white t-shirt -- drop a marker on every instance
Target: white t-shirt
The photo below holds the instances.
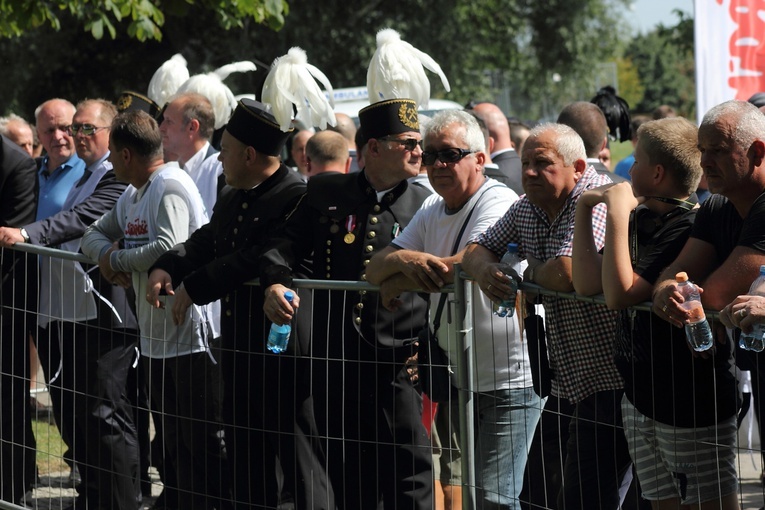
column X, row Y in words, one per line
column 164, row 212
column 501, row 355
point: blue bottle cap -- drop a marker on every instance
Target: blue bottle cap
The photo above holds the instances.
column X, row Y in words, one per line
column 512, row 247
column 289, row 296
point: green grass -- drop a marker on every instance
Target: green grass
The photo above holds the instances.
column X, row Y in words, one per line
column 619, row 151
column 50, row 448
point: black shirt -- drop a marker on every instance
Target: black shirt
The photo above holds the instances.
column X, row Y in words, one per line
column 662, row 378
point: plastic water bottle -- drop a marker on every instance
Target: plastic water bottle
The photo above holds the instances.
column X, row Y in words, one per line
column 510, row 264
column 279, row 336
column 754, row 340
column 698, row 332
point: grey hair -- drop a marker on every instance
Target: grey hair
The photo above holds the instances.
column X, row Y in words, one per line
column 442, row 120
column 569, row 145
column 4, row 121
column 749, row 121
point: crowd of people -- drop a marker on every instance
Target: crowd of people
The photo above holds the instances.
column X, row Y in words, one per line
column 577, row 403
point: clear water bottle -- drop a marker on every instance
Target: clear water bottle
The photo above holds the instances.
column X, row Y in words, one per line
column 698, row 332
column 279, row 336
column 510, row 264
column 755, row 339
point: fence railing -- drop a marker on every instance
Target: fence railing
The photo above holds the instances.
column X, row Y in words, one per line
column 464, row 454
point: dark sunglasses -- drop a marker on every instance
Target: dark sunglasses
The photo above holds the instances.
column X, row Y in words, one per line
column 85, row 129
column 444, row 155
column 408, row 143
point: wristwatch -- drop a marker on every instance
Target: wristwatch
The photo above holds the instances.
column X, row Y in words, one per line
column 24, row 235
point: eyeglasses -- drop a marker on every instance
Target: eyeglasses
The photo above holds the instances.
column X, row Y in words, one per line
column 445, row 156
column 85, row 129
column 408, row 143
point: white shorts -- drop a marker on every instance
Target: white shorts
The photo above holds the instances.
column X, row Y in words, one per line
column 692, row 464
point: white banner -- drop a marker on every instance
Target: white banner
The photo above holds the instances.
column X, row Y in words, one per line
column 730, row 51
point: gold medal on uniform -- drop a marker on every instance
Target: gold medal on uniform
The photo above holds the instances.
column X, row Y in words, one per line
column 350, row 226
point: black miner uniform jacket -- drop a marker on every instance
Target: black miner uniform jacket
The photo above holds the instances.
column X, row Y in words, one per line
column 371, row 414
column 261, row 389
column 343, row 224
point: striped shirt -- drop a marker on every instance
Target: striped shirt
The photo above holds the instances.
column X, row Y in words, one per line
column 580, row 336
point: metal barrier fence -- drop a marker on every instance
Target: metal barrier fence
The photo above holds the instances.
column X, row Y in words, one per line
column 334, row 428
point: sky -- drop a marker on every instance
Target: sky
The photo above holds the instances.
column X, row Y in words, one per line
column 646, row 14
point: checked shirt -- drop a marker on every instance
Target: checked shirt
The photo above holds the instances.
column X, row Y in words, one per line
column 580, row 335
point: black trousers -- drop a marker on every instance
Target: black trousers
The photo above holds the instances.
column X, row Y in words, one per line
column 579, row 457
column 17, row 442
column 274, row 447
column 543, row 476
column 597, row 455
column 378, row 451
column 91, row 396
column 186, row 395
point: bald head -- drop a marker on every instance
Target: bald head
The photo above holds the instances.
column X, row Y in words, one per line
column 327, row 151
column 346, row 127
column 496, row 123
column 589, row 122
column 297, row 149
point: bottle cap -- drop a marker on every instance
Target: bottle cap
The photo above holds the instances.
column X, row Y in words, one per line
column 512, row 247
column 681, row 277
column 762, row 270
column 289, row 296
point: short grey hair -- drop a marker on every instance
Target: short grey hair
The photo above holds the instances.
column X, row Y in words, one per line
column 570, row 146
column 444, row 119
column 4, row 121
column 749, row 121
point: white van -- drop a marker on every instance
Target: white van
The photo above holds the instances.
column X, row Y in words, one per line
column 350, row 100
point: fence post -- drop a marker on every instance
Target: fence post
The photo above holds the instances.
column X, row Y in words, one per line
column 463, row 318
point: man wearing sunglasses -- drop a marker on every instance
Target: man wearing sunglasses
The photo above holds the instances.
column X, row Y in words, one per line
column 422, row 257
column 344, row 220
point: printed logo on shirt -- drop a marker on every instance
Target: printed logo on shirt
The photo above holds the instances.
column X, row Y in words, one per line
column 137, row 227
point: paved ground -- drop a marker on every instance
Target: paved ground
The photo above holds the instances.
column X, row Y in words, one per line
column 55, row 492
column 750, row 484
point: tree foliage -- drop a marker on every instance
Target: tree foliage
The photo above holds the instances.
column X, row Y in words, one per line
column 665, row 63
column 630, row 86
column 141, row 19
column 507, row 51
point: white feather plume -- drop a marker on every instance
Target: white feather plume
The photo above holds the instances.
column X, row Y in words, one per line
column 167, row 79
column 292, row 80
column 235, row 67
column 397, row 71
column 212, row 87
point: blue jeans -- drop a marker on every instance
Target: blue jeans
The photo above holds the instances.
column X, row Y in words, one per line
column 506, row 420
